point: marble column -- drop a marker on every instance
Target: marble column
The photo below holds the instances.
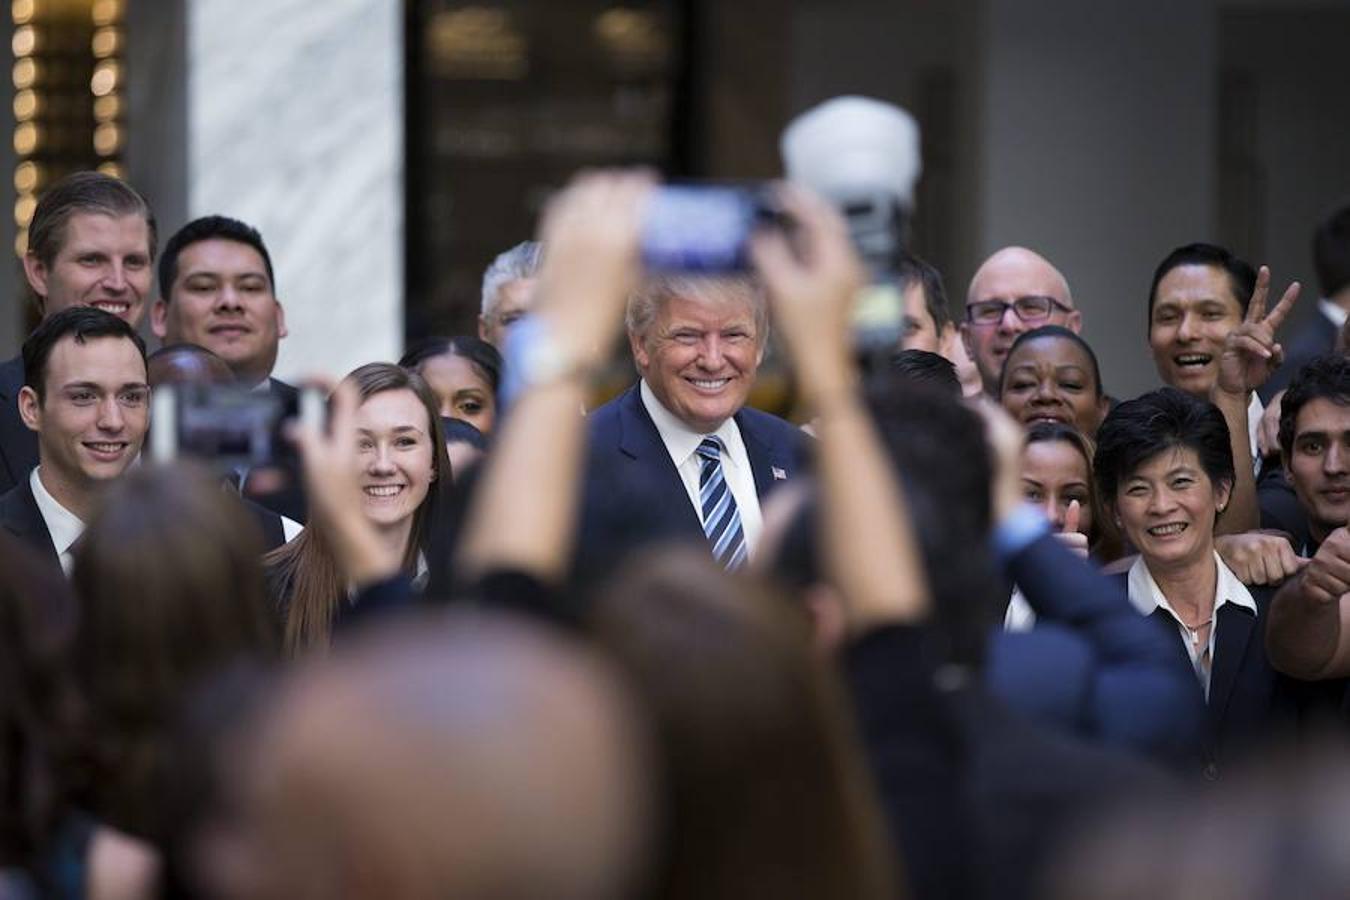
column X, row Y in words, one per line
column 294, row 124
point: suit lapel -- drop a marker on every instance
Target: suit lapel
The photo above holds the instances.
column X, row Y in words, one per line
column 1234, row 629
column 23, row 519
column 1168, row 626
column 769, row 463
column 639, row 440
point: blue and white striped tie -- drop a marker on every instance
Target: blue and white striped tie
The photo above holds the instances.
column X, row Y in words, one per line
column 721, row 518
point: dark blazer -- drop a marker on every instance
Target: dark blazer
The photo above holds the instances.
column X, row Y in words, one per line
column 1315, row 337
column 1250, row 704
column 290, row 500
column 18, row 445
column 20, row 516
column 269, row 525
column 633, row 492
column 977, row 797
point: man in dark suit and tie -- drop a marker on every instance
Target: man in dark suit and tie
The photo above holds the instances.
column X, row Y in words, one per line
column 91, row 242
column 86, row 396
column 218, row 291
column 679, row 454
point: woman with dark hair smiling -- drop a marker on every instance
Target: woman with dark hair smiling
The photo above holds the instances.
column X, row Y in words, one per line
column 1051, row 375
column 1164, row 469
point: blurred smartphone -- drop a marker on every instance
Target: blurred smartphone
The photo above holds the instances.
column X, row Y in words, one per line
column 228, row 426
column 705, row 228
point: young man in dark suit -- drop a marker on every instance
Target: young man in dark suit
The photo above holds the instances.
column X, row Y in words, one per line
column 679, row 454
column 91, row 242
column 87, row 398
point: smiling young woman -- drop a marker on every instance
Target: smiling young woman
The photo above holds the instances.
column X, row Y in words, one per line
column 405, row 479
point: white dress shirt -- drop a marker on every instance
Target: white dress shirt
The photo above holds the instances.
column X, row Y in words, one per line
column 1147, row 596
column 681, row 443
column 1255, row 410
column 63, row 525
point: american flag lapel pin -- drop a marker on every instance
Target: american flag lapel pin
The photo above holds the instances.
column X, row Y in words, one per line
column 778, row 474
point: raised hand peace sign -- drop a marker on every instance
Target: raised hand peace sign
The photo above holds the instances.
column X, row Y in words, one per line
column 1250, row 353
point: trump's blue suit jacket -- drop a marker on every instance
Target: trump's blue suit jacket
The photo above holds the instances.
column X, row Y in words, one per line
column 634, row 494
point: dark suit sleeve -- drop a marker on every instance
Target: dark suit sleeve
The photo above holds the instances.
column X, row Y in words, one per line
column 1139, row 696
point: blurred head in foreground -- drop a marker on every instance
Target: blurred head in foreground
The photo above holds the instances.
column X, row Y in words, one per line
column 463, row 756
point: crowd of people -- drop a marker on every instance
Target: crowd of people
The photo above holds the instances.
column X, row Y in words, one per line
column 979, row 629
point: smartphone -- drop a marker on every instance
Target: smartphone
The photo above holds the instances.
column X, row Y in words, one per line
column 705, row 228
column 228, row 426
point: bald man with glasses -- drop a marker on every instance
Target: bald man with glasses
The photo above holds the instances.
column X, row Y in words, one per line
column 1013, row 291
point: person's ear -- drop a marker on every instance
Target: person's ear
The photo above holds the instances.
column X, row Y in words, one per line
column 281, row 320
column 159, row 318
column 946, row 335
column 30, row 408
column 639, row 347
column 964, row 329
column 1223, row 491
column 35, row 270
column 1074, row 321
column 1103, row 407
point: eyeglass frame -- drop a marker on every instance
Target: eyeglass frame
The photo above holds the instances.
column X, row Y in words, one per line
column 1004, row 306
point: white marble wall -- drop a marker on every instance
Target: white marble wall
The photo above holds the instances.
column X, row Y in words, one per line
column 295, row 125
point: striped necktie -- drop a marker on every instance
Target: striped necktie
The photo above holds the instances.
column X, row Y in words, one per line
column 721, row 518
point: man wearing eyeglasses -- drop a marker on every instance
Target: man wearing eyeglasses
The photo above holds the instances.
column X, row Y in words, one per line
column 1015, row 290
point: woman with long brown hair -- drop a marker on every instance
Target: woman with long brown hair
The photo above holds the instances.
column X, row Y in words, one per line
column 405, row 481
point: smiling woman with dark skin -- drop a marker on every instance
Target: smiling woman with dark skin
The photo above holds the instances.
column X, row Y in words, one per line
column 1051, row 375
column 464, row 372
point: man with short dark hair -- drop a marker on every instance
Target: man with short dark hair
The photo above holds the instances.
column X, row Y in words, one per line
column 91, row 242
column 1313, row 498
column 217, row 290
column 1202, row 298
column 1200, row 293
column 927, row 323
column 1309, row 632
column 86, row 396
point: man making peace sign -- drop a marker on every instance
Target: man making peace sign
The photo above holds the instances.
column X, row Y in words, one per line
column 1212, row 337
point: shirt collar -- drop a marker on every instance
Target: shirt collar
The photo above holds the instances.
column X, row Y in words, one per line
column 1147, row 596
column 1334, row 313
column 63, row 525
column 680, row 440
